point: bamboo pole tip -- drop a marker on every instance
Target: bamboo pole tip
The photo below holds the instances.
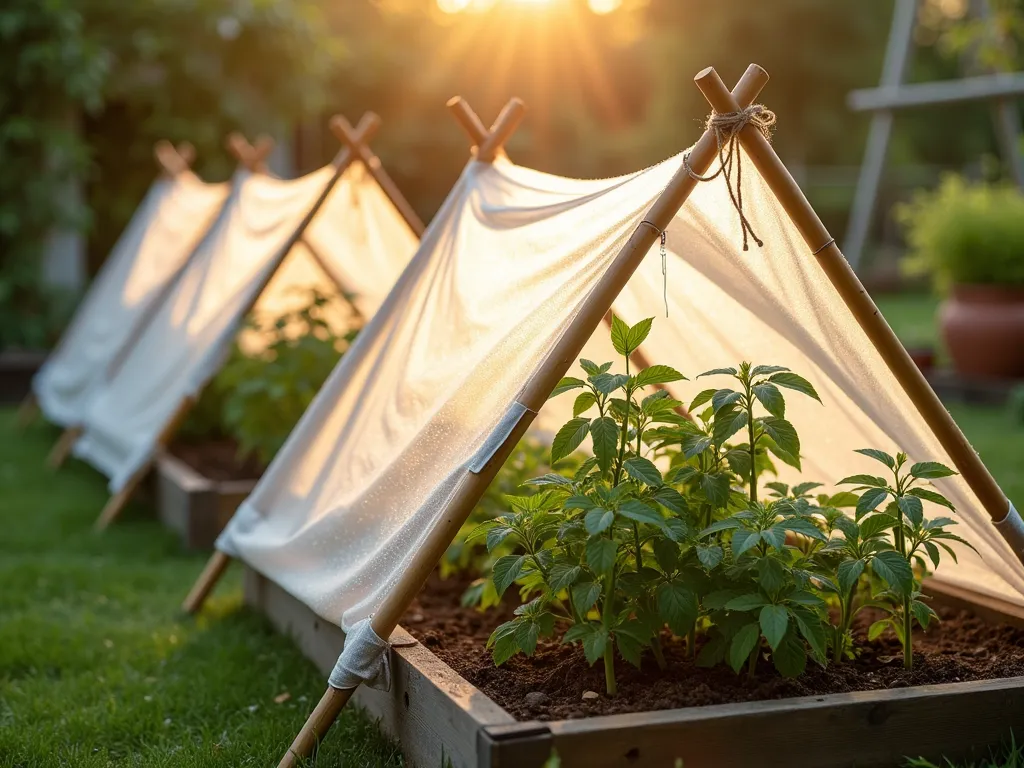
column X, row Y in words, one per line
column 340, row 127
column 715, row 91
column 264, row 145
column 187, row 152
column 455, row 102
column 704, row 73
column 234, row 142
column 370, row 122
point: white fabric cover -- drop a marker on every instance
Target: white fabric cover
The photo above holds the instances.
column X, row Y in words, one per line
column 357, row 232
column 505, row 264
column 151, row 252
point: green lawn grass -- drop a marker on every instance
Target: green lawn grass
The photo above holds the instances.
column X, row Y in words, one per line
column 912, row 316
column 98, row 668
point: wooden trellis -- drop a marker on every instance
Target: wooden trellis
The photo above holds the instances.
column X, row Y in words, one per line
column 894, row 94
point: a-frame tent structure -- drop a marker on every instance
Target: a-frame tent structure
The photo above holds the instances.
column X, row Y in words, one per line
column 344, row 228
column 152, row 251
column 384, row 469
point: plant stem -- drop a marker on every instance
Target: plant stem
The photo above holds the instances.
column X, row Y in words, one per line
column 659, row 655
column 752, row 664
column 753, row 452
column 636, row 543
column 607, row 608
column 691, row 641
column 609, row 668
column 908, row 626
column 625, row 431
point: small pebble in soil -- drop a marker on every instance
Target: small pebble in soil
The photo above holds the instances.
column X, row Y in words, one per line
column 536, row 699
column 590, row 695
column 898, row 684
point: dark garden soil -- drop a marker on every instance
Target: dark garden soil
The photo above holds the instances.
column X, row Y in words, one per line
column 550, row 686
column 217, row 460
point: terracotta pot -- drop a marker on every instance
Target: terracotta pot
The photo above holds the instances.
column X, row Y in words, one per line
column 983, row 327
column 923, row 357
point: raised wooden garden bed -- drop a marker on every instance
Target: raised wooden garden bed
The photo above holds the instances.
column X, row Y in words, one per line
column 17, row 367
column 195, row 506
column 437, row 715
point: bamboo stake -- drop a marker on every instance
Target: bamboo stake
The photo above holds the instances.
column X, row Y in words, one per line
column 62, row 448
column 28, row 410
column 174, row 160
column 533, row 396
column 116, row 503
column 343, row 130
column 207, row 580
column 253, row 157
column 367, row 127
column 846, row 282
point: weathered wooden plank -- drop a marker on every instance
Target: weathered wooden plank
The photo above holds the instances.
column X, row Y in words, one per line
column 194, row 506
column 978, row 88
column 987, row 607
column 867, row 730
column 431, row 711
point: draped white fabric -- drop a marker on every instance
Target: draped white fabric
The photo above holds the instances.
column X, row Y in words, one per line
column 506, row 263
column 357, row 234
column 150, row 253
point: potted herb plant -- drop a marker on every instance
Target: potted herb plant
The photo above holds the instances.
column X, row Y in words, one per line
column 969, row 238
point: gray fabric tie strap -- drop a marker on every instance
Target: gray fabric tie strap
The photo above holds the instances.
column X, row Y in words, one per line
column 363, row 661
column 1012, row 529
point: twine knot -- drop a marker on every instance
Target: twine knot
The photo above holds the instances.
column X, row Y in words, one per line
column 726, row 127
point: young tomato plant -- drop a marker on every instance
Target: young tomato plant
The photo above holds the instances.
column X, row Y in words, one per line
column 908, row 534
column 734, row 411
column 586, row 548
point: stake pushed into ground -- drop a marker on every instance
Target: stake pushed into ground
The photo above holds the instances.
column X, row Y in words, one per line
column 252, row 156
column 533, row 396
column 174, row 160
column 349, row 152
column 848, row 285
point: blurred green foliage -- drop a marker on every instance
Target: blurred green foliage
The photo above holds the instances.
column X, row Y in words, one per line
column 87, row 87
column 964, row 233
column 259, row 394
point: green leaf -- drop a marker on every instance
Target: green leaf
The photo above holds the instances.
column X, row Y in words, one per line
column 592, row 369
column 873, row 480
column 746, row 602
column 771, row 399
column 506, row 570
column 594, row 644
column 566, row 384
column 773, row 620
column 783, row 433
column 578, row 501
column 724, row 398
column 716, row 488
column 666, row 552
column 875, row 630
column 719, row 371
column 671, row 499
column 620, row 336
column 527, row 633
column 700, row 399
column 727, row 424
column 629, row 647
column 598, row 520
column 504, row 643
column 601, row 555
column 803, row 526
column 849, row 572
column 875, row 525
column 743, row 643
column 604, row 433
column 569, row 438
column 657, row 374
column 643, row 470
column 797, row 383
column 813, row 631
column 606, row 383
column 869, row 500
column 790, row 658
column 771, row 575
column 895, row 570
column 912, row 507
column 877, row 455
column 677, row 606
column 497, row 535
column 932, row 496
column 930, row 470
column 641, row 513
column 562, row 576
column 764, row 370
column 638, row 333
column 730, row 523
column 711, row 556
column 744, row 540
column 923, row 613
column 803, row 489
column 584, row 595
column 583, row 403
